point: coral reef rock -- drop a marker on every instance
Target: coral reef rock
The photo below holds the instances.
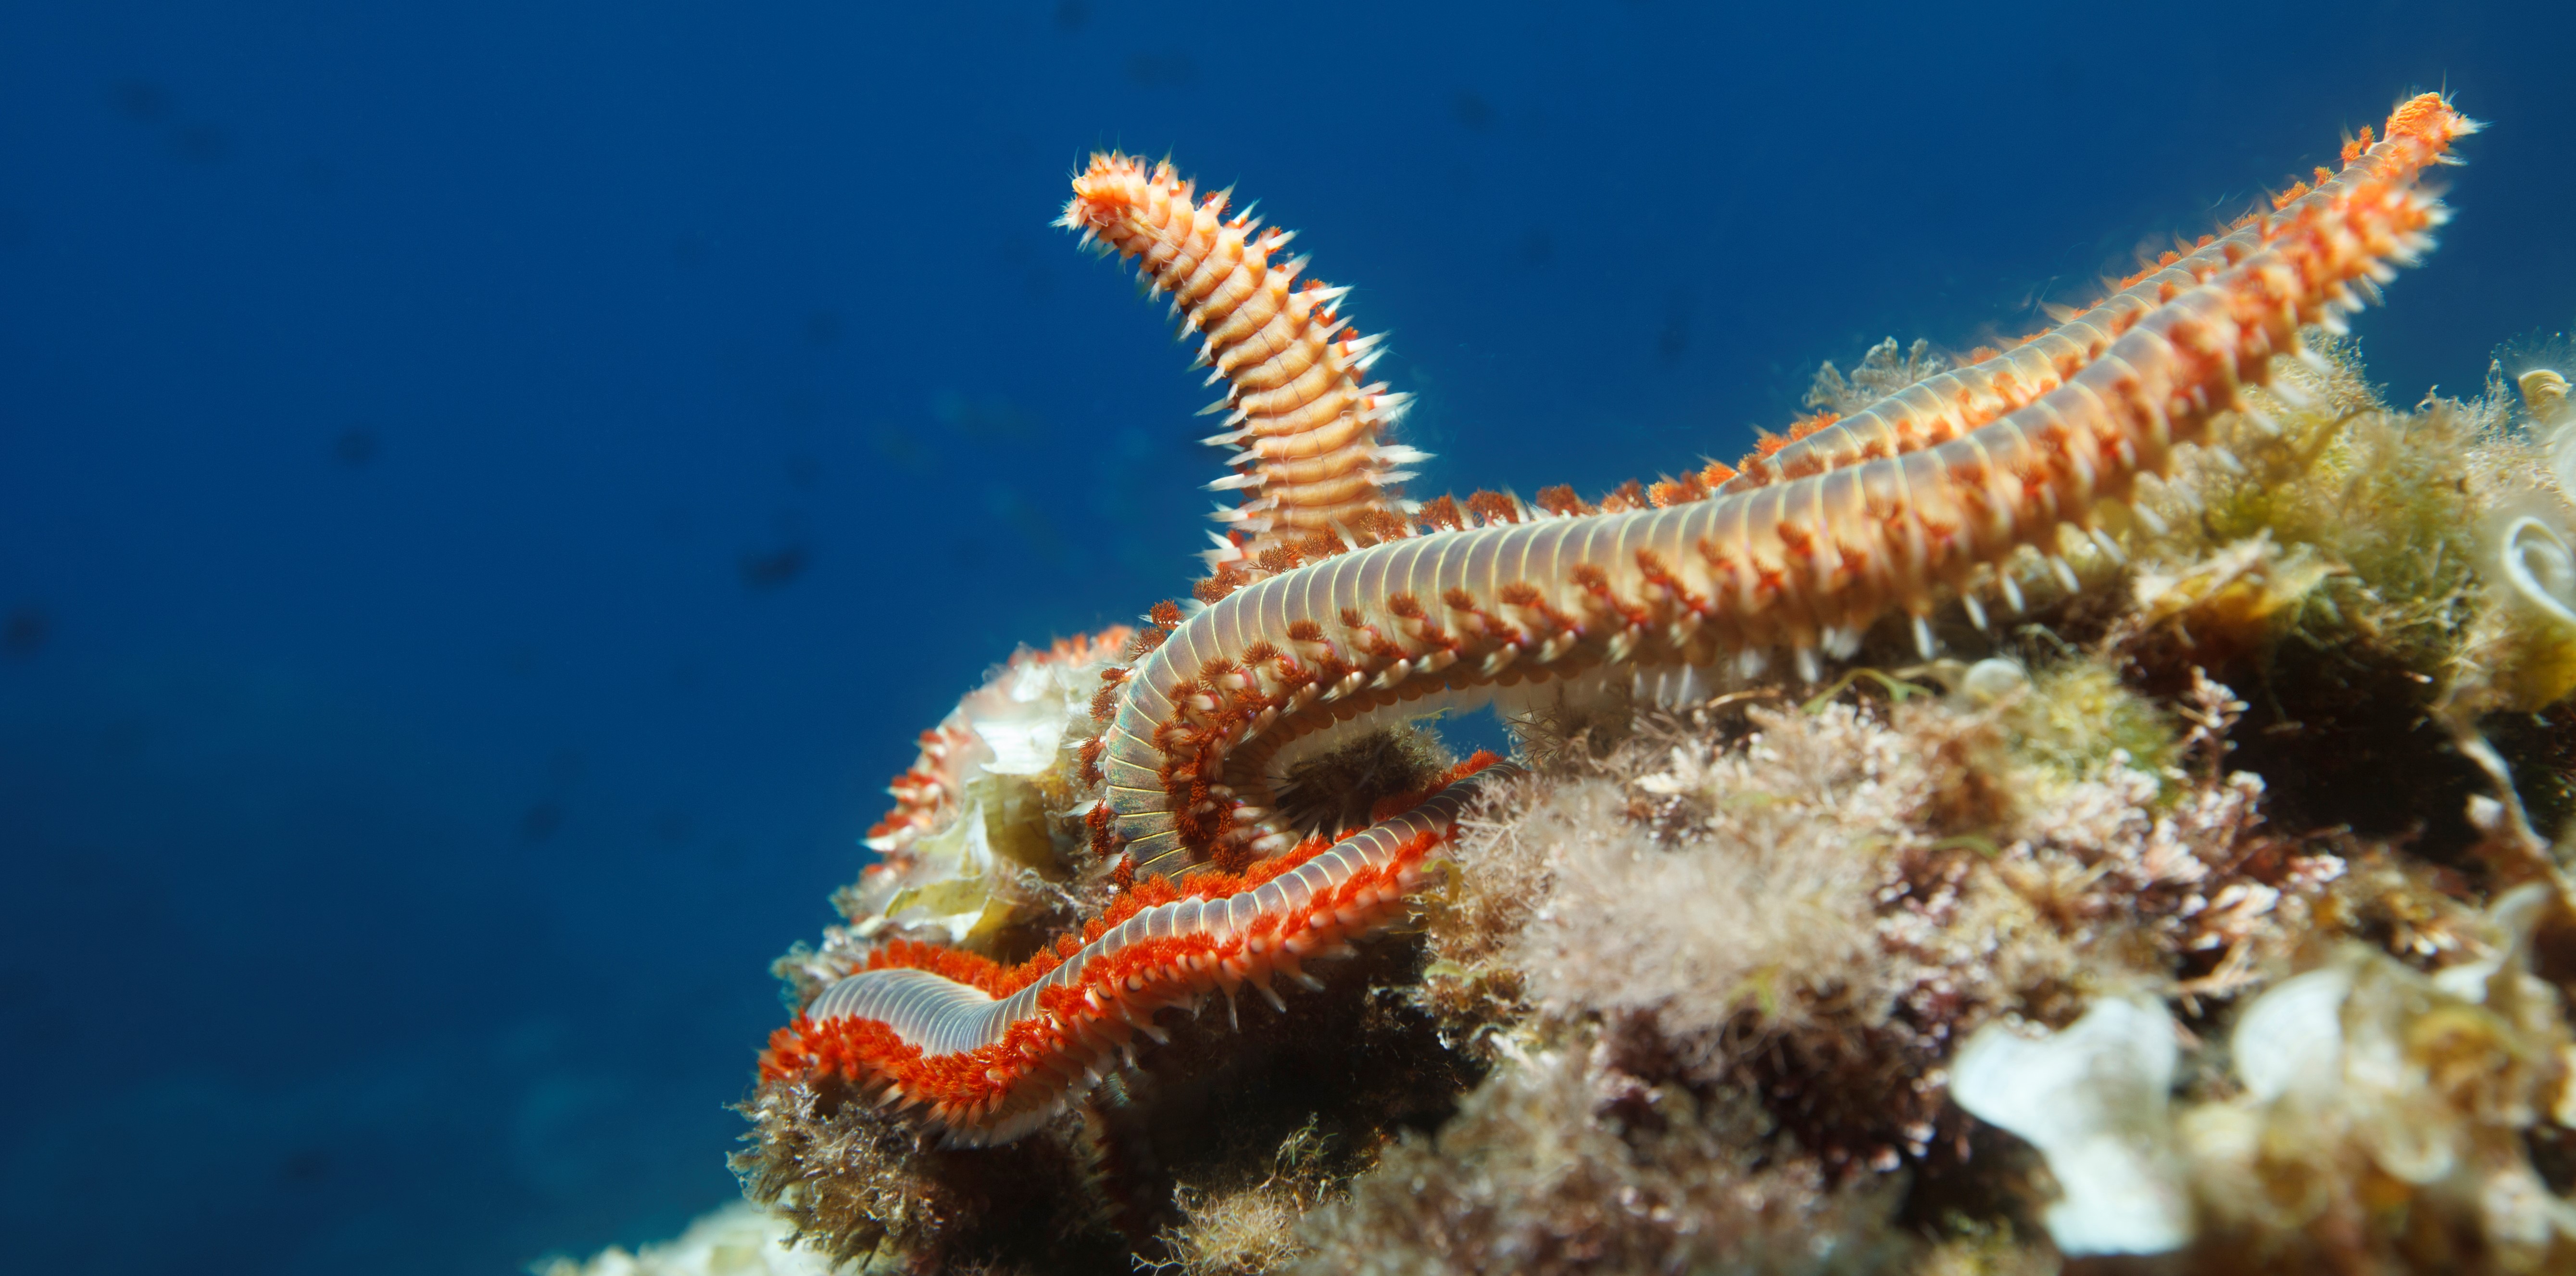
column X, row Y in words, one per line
column 737, row 1240
column 2081, row 805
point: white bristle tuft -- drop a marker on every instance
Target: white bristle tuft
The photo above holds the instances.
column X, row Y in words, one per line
column 2110, row 547
column 2065, row 574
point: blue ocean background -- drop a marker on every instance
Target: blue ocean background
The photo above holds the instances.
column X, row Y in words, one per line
column 489, row 492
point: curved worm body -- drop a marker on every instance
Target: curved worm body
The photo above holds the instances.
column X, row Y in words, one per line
column 993, row 1062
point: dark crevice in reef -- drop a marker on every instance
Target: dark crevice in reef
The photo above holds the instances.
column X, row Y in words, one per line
column 1846, row 1097
column 2344, row 731
column 1335, row 791
column 2541, row 749
column 2353, row 741
column 1972, row 1171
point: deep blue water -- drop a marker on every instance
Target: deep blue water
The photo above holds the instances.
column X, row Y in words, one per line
column 488, row 492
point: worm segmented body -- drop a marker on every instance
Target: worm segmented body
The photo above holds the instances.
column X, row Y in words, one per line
column 1889, row 515
column 1943, row 407
column 1303, row 428
column 993, row 1062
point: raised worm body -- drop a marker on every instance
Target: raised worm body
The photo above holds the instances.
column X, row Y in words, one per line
column 1303, row 428
column 1856, row 525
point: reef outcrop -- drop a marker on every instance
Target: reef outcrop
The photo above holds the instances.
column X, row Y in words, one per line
column 2092, row 800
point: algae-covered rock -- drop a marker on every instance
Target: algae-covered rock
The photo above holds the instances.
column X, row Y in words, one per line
column 2174, row 917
